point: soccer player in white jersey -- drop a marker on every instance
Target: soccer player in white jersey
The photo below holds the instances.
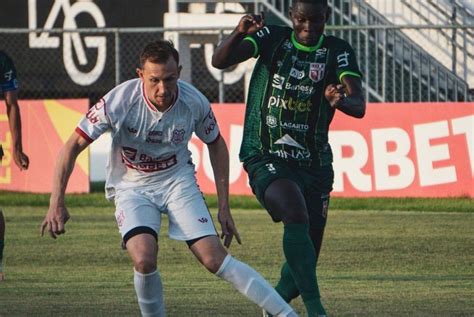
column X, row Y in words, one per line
column 150, row 173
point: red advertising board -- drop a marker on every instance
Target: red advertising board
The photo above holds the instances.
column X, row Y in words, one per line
column 396, row 150
column 46, row 125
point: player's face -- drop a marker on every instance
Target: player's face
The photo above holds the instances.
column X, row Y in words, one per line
column 308, row 22
column 160, row 82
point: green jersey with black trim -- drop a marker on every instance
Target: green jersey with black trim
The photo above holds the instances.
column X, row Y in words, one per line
column 287, row 114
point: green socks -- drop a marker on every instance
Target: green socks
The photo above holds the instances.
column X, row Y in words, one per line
column 286, row 286
column 301, row 260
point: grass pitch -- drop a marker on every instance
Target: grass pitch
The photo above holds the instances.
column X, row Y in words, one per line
column 373, row 263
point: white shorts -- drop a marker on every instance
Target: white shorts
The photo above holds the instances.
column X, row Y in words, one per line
column 139, row 209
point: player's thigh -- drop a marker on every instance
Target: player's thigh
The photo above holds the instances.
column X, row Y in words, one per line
column 136, row 214
column 276, row 186
column 189, row 216
column 318, row 186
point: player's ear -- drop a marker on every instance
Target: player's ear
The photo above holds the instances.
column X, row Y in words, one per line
column 139, row 72
column 179, row 69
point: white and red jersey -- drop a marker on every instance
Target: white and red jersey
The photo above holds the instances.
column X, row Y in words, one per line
column 148, row 146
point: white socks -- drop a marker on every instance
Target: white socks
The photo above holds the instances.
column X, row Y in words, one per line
column 149, row 291
column 251, row 284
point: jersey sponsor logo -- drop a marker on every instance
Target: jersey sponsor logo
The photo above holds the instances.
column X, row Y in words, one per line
column 178, row 136
column 263, row 32
column 289, row 104
column 155, row 133
column 321, row 52
column 212, row 123
column 301, row 64
column 288, row 140
column 287, row 45
column 120, row 218
column 154, row 141
column 129, row 153
column 301, row 127
column 271, row 121
column 300, row 88
column 325, row 205
column 296, row 154
column 203, row 220
column 343, row 59
column 316, row 71
column 149, row 164
column 93, row 115
column 298, row 74
column 100, row 104
column 278, row 81
column 132, row 130
column 158, row 134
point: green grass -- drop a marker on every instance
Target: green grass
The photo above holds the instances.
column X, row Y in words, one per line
column 373, row 263
column 96, row 199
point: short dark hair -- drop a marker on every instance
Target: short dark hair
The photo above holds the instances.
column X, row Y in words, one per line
column 159, row 52
column 323, row 2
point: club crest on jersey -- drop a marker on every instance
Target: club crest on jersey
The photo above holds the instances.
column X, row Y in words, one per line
column 178, row 136
column 316, row 71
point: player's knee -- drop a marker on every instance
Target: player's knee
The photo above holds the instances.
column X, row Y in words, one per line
column 212, row 263
column 295, row 216
column 145, row 265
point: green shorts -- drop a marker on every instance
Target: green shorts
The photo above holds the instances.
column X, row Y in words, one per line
column 315, row 182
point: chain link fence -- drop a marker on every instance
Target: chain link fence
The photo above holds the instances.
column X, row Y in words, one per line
column 87, row 63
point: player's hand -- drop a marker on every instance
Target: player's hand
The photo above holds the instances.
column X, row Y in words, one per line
column 228, row 227
column 54, row 221
column 335, row 94
column 251, row 23
column 21, row 160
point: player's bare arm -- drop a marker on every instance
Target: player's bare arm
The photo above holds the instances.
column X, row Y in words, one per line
column 347, row 97
column 219, row 156
column 13, row 112
column 58, row 214
column 233, row 50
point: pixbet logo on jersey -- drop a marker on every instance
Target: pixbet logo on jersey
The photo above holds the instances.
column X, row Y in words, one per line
column 289, row 104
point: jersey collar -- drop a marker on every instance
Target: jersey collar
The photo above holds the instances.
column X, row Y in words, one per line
column 304, row 48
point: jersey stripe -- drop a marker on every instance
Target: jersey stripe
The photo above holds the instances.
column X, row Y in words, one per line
column 84, row 135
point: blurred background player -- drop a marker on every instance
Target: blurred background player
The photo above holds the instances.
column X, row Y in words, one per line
column 150, row 172
column 300, row 79
column 9, row 88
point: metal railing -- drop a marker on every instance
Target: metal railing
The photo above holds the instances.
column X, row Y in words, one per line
column 54, row 72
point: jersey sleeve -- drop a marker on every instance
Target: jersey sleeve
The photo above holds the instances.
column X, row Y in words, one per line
column 95, row 122
column 346, row 62
column 261, row 39
column 8, row 80
column 206, row 129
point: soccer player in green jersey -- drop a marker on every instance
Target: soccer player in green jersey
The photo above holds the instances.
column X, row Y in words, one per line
column 300, row 79
column 9, row 87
